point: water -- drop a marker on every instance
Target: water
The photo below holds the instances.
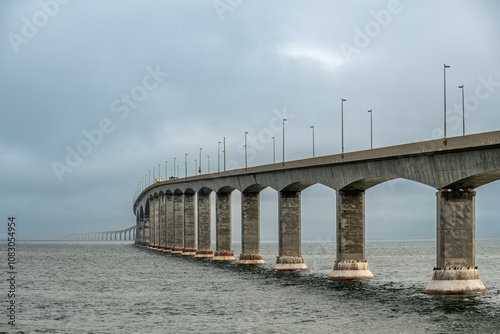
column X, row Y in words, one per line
column 114, row 287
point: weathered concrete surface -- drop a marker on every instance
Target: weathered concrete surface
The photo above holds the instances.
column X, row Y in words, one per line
column 178, row 223
column 250, row 230
column 290, row 258
column 455, row 272
column 462, row 281
column 204, row 221
column 223, row 228
column 169, row 213
column 147, row 232
column 163, row 226
column 189, row 225
column 351, row 263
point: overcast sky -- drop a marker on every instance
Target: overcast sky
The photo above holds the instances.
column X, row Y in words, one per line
column 144, row 82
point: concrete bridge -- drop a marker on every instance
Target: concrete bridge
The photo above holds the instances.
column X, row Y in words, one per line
column 126, row 234
column 167, row 220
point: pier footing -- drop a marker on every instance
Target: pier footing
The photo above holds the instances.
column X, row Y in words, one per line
column 224, row 256
column 250, row 260
column 188, row 252
column 455, row 281
column 290, row 263
column 203, row 254
column 177, row 250
column 350, row 271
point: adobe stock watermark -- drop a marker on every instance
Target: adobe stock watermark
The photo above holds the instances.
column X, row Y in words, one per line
column 259, row 141
column 221, row 7
column 30, row 27
column 363, row 36
column 121, row 108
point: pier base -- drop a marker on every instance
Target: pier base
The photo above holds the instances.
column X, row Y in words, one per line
column 350, row 271
column 250, row 260
column 290, row 263
column 167, row 250
column 204, row 254
column 455, row 281
column 188, row 252
column 224, row 256
column 176, row 250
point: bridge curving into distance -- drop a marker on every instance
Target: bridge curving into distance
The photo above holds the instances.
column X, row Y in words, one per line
column 126, row 234
column 166, row 211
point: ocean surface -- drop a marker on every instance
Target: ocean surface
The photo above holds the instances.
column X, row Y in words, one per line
column 115, row 287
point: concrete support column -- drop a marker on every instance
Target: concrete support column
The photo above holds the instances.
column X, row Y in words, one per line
column 178, row 223
column 290, row 258
column 455, row 272
column 189, row 225
column 223, row 228
column 169, row 216
column 163, row 223
column 250, row 232
column 351, row 263
column 147, row 232
column 152, row 226
column 204, row 225
column 156, row 222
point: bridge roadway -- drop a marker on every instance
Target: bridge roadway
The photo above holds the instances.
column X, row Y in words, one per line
column 166, row 211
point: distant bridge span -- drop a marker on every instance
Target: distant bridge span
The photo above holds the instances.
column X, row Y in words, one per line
column 165, row 211
column 126, row 234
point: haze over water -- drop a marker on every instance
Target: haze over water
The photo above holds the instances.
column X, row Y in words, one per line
column 114, row 287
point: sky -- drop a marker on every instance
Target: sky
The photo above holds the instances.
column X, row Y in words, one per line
column 95, row 94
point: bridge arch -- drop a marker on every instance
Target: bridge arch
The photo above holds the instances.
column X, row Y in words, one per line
column 475, row 181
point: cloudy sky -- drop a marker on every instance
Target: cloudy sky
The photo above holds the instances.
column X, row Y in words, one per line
column 94, row 94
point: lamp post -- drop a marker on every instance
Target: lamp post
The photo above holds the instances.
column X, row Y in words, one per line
column 463, row 110
column 342, row 120
column 150, row 177
column 208, row 158
column 444, row 76
column 284, row 120
column 218, row 157
column 371, row 128
column 200, row 161
column 246, row 161
column 159, row 173
column 195, row 166
column 154, row 178
column 274, row 150
column 174, row 167
column 186, row 165
column 312, row 127
column 224, row 154
column 178, row 171
column 166, row 170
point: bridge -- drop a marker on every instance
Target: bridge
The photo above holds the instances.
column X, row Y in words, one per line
column 126, row 234
column 174, row 216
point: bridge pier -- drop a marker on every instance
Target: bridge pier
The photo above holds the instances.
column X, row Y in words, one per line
column 455, row 273
column 290, row 258
column 223, row 228
column 189, row 225
column 204, row 225
column 163, row 241
column 351, row 263
column 152, row 240
column 156, row 208
column 178, row 223
column 250, row 230
column 147, row 232
column 169, row 217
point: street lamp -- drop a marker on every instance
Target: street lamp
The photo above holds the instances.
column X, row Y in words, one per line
column 342, row 120
column 224, row 154
column 150, row 177
column 159, row 173
column 186, row 165
column 208, row 158
column 218, row 157
column 444, row 76
column 312, row 127
column 371, row 128
column 166, row 170
column 200, row 161
column 284, row 120
column 246, row 161
column 174, row 167
column 463, row 110
column 274, row 150
column 195, row 165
